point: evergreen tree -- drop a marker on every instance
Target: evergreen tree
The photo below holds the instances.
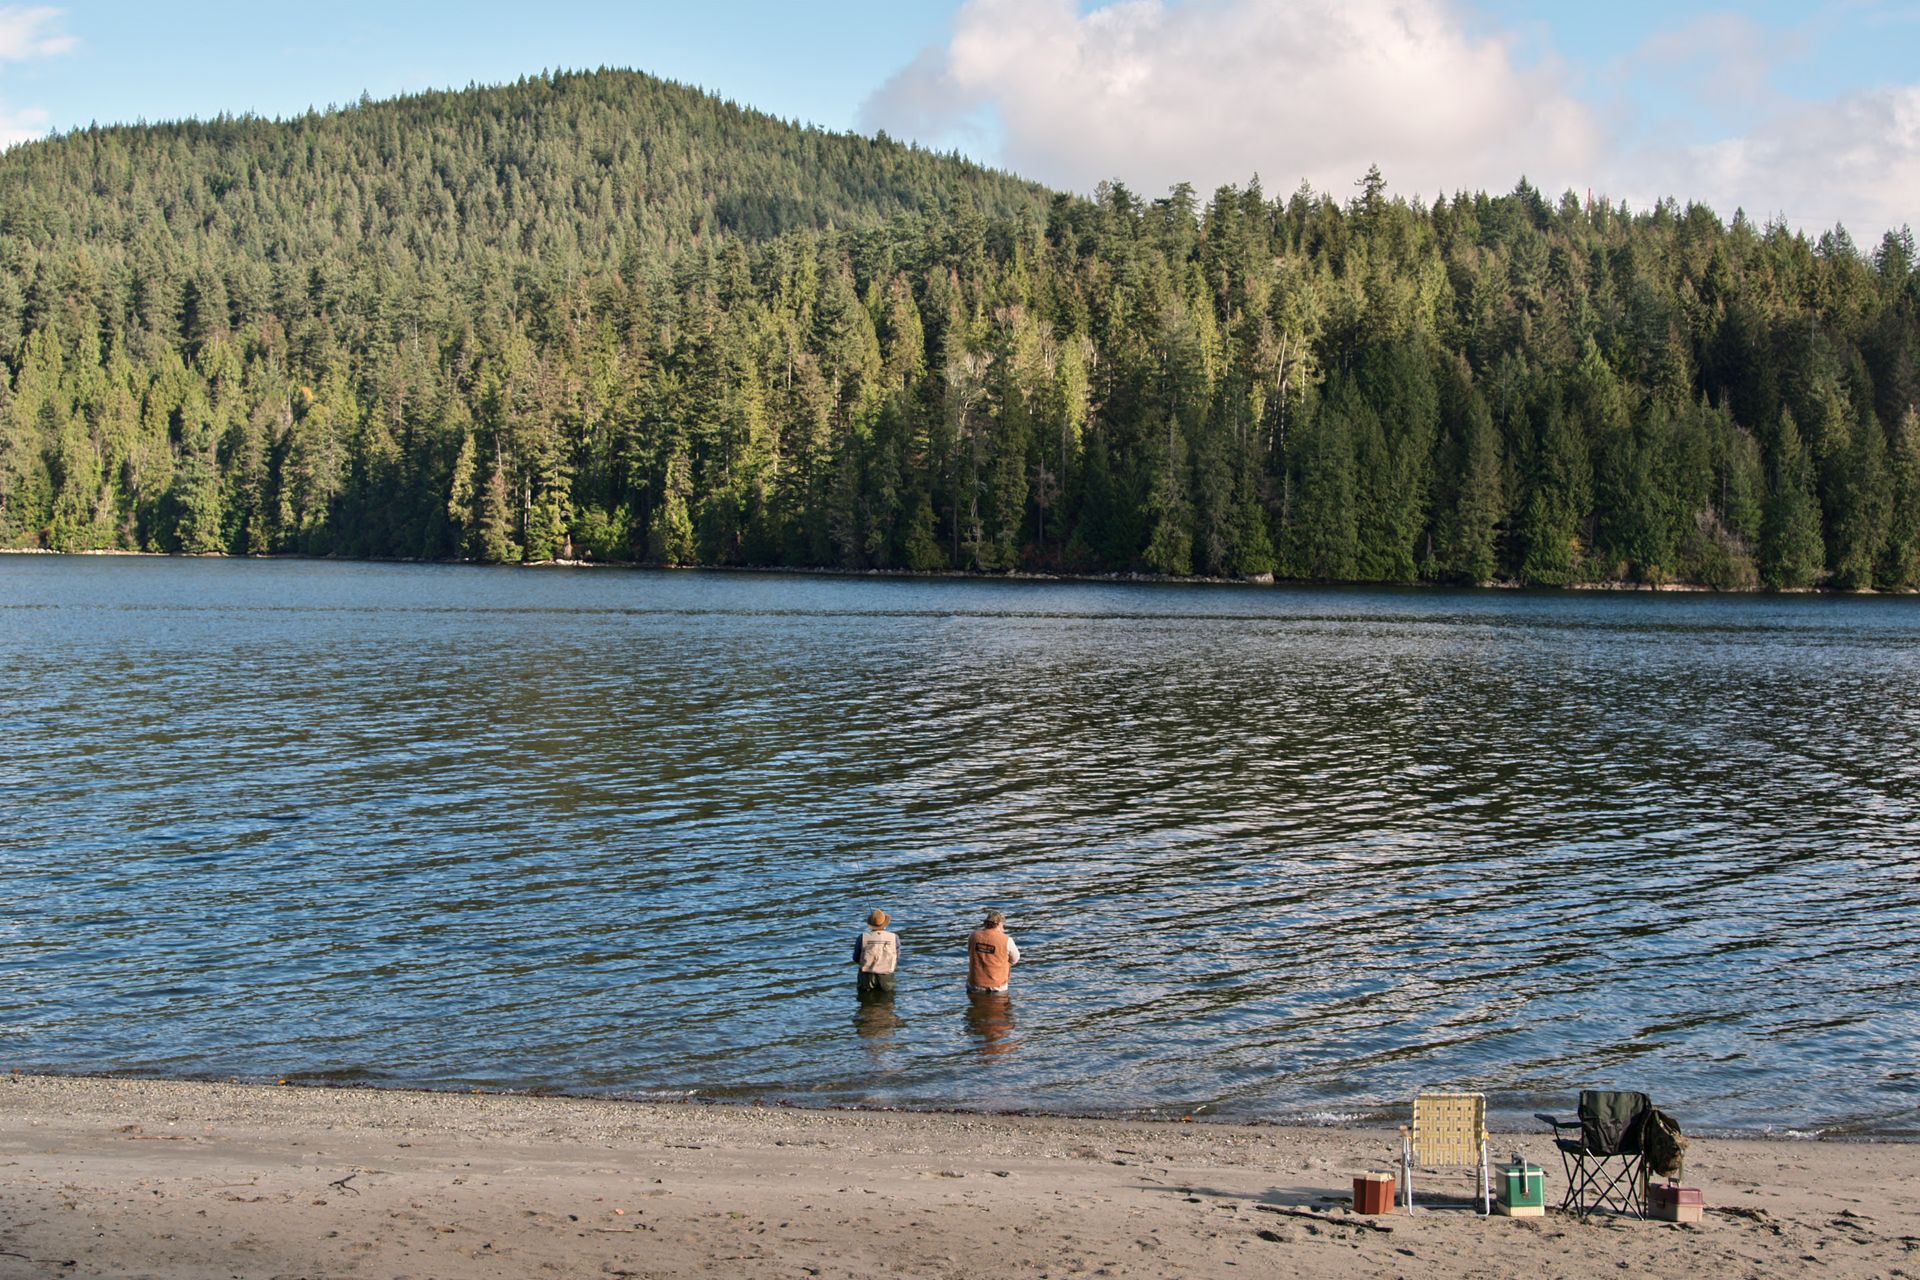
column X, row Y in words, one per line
column 670, row 535
column 1791, row 551
column 1396, row 430
column 1556, row 505
column 1864, row 494
column 493, row 531
column 1321, row 539
column 1170, row 546
column 1470, row 526
column 463, row 495
column 1900, row 560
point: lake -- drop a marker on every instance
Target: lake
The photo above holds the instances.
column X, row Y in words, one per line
column 1270, row 853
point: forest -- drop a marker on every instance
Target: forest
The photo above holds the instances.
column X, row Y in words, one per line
column 603, row 316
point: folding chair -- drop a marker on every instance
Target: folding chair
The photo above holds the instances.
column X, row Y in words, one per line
column 1449, row 1131
column 1605, row 1164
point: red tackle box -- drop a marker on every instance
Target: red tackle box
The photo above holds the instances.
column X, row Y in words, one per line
column 1676, row 1204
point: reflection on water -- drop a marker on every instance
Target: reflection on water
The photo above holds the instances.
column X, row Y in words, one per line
column 876, row 1022
column 990, row 1020
column 1282, row 852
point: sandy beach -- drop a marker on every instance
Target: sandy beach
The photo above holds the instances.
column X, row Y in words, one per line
column 167, row 1179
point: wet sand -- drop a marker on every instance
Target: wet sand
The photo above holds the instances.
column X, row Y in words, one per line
column 168, row 1179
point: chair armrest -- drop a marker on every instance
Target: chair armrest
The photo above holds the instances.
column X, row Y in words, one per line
column 1557, row 1124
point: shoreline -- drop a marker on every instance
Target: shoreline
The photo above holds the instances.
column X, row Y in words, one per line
column 1011, row 575
column 109, row 1176
column 1203, row 1117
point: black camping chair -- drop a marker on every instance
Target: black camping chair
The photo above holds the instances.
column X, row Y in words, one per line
column 1603, row 1158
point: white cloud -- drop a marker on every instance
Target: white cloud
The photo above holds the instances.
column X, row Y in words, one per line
column 21, row 126
column 1210, row 91
column 1854, row 160
column 1737, row 138
column 29, row 33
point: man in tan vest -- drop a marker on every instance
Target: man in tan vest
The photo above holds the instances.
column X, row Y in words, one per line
column 877, row 952
column 991, row 955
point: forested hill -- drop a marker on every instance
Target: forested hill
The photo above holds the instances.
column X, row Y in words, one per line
column 605, row 316
column 568, row 169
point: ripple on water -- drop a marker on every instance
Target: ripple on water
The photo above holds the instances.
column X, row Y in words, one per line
column 1276, row 852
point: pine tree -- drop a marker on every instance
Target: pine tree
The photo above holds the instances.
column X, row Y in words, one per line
column 922, row 541
column 493, row 532
column 1791, row 552
column 462, row 494
column 670, row 536
column 194, row 500
column 1469, row 536
column 1252, row 554
column 1556, row 505
column 1900, row 560
column 1864, row 493
column 1170, row 546
column 73, row 523
column 1395, row 422
column 1320, row 539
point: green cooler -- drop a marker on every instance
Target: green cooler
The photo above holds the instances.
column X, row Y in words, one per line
column 1521, row 1189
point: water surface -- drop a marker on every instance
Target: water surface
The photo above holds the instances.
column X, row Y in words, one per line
column 1275, row 853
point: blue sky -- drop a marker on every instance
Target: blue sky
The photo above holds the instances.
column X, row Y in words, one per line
column 1809, row 112
column 162, row 61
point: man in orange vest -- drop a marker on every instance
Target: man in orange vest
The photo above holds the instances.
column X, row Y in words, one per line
column 991, row 955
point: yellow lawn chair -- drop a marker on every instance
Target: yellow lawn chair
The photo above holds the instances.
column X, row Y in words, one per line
column 1449, row 1131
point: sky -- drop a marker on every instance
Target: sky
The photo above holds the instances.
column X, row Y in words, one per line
column 1807, row 112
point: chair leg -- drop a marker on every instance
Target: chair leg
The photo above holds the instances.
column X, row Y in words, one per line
column 1603, row 1185
column 1580, row 1187
column 1406, row 1173
column 1567, row 1172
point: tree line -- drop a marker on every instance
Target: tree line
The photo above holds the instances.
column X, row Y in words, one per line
column 605, row 317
